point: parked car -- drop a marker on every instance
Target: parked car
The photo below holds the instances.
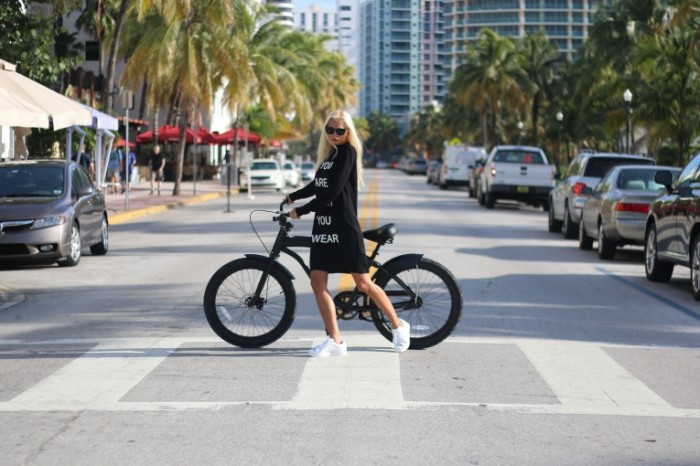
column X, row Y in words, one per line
column 615, row 214
column 567, row 198
column 516, row 173
column 416, row 167
column 475, row 175
column 433, row 174
column 308, row 171
column 49, row 211
column 263, row 173
column 292, row 175
column 457, row 164
column 673, row 227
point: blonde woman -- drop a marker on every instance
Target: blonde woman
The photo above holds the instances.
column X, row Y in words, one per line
column 337, row 245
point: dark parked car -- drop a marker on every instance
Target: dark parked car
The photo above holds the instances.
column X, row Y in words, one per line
column 673, row 227
column 615, row 214
column 49, row 211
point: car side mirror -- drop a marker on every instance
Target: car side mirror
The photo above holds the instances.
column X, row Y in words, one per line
column 85, row 191
column 664, row 178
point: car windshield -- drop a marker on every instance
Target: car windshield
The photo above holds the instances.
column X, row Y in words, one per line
column 597, row 167
column 31, row 181
column 308, row 166
column 638, row 180
column 518, row 156
column 264, row 166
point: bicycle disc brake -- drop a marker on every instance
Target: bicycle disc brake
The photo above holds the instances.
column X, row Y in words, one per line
column 348, row 311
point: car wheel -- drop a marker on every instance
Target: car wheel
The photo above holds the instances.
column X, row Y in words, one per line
column 656, row 270
column 606, row 248
column 545, row 205
column 490, row 201
column 569, row 228
column 553, row 224
column 695, row 268
column 480, row 196
column 101, row 248
column 585, row 242
column 75, row 247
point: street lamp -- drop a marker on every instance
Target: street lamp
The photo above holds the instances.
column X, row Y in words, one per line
column 627, row 96
column 560, row 118
column 520, row 131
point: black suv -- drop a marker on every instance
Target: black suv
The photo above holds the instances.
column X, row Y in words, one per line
column 673, row 227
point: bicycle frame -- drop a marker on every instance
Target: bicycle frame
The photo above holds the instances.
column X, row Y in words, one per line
column 284, row 244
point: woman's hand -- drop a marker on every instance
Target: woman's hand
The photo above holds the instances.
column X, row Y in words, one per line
column 293, row 214
column 288, row 200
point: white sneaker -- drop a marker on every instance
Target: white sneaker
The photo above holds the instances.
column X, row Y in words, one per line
column 329, row 348
column 402, row 337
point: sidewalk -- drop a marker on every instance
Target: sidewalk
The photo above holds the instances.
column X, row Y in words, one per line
column 141, row 202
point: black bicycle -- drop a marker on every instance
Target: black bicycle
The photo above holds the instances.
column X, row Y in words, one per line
column 251, row 302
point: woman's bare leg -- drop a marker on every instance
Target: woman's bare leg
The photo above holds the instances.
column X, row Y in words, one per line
column 326, row 306
column 368, row 287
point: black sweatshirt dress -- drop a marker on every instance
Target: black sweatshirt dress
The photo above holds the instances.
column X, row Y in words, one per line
column 337, row 245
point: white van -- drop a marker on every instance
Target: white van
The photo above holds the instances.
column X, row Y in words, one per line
column 457, row 164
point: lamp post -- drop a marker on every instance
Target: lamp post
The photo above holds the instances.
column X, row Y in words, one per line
column 520, row 132
column 560, row 118
column 627, row 96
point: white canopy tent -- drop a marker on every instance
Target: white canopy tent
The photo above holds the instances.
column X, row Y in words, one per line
column 24, row 103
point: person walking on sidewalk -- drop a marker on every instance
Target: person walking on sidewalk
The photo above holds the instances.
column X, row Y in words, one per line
column 124, row 162
column 156, row 164
column 337, row 245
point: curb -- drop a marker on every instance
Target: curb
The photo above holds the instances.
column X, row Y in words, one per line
column 123, row 217
column 9, row 297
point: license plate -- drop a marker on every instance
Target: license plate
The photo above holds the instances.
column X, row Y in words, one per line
column 523, row 189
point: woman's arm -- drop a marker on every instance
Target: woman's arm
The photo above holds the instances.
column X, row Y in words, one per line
column 337, row 180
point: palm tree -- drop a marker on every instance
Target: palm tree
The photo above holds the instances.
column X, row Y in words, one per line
column 539, row 59
column 384, row 133
column 426, row 131
column 185, row 59
column 489, row 79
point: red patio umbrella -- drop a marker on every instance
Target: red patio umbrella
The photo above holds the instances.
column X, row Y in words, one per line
column 167, row 133
column 122, row 143
column 229, row 136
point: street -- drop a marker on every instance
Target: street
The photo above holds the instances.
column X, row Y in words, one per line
column 559, row 358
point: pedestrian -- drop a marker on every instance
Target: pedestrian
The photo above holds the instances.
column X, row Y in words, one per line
column 337, row 245
column 85, row 161
column 113, row 170
column 156, row 164
column 125, row 161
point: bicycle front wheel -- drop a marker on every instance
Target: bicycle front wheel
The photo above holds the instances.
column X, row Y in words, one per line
column 241, row 318
column 433, row 313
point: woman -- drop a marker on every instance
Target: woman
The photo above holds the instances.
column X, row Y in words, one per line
column 337, row 245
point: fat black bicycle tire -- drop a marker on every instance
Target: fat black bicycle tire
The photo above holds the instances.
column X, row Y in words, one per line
column 233, row 319
column 441, row 308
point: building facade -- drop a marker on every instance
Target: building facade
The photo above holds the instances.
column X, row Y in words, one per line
column 318, row 20
column 390, row 58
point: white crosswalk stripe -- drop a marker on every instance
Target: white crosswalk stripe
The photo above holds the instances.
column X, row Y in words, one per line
column 582, row 376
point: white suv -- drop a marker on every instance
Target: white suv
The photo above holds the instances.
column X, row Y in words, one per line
column 457, row 164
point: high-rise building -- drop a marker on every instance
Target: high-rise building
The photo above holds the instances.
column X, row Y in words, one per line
column 286, row 11
column 390, row 58
column 318, row 20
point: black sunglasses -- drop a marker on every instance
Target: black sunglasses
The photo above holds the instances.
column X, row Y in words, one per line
column 338, row 131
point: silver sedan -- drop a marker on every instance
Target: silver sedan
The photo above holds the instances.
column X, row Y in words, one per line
column 49, row 211
column 616, row 212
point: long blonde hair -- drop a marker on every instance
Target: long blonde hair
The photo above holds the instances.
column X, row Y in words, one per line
column 324, row 147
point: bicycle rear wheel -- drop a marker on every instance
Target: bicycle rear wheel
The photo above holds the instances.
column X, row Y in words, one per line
column 437, row 308
column 237, row 316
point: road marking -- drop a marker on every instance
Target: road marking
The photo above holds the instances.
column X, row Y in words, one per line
column 367, row 378
column 103, row 375
column 584, row 378
column 368, row 218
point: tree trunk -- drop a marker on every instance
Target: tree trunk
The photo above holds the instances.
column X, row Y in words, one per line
column 112, row 64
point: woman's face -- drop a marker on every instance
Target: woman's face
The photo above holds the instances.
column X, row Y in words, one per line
column 333, row 127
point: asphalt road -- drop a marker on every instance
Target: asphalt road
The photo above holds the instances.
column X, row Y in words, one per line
column 559, row 358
